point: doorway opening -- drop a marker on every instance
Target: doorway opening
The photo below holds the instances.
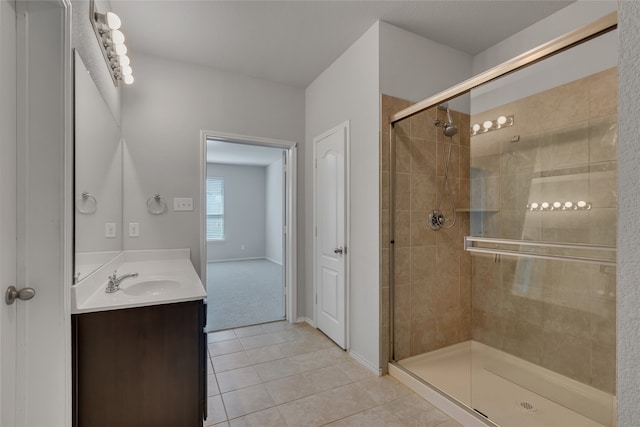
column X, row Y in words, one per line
column 247, row 230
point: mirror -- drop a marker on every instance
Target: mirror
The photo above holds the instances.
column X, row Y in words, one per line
column 98, row 177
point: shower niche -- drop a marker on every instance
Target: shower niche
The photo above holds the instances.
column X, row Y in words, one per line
column 508, row 306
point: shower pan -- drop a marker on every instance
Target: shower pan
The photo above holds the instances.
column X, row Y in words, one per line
column 499, row 286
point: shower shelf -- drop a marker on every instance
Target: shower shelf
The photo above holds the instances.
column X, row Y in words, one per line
column 469, row 246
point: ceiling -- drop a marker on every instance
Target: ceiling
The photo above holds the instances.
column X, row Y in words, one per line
column 292, row 42
column 227, row 153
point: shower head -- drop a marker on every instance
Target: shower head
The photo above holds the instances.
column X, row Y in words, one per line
column 449, row 129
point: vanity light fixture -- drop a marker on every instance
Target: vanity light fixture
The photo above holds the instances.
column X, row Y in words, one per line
column 491, row 125
column 558, row 206
column 111, row 40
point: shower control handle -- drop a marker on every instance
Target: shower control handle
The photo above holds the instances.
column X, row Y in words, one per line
column 338, row 250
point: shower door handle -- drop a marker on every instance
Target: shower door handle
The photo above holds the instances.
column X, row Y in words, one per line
column 338, row 250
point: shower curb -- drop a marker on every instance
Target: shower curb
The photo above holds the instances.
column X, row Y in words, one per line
column 450, row 408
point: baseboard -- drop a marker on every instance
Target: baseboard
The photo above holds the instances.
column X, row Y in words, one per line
column 273, row 261
column 305, row 320
column 364, row 362
column 234, row 259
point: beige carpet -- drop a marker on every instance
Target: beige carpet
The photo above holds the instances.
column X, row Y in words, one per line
column 242, row 293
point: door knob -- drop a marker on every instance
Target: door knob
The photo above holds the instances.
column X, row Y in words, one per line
column 23, row 294
column 338, row 250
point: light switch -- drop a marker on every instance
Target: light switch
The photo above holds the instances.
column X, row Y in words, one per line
column 110, row 230
column 183, row 204
column 134, row 229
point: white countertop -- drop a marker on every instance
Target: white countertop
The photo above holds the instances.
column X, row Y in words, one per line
column 155, row 266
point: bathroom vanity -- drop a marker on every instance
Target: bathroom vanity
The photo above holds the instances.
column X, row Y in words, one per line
column 140, row 353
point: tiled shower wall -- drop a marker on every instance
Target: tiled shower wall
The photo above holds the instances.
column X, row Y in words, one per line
column 559, row 315
column 432, row 277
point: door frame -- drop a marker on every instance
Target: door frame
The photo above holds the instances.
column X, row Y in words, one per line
column 290, row 212
column 344, row 126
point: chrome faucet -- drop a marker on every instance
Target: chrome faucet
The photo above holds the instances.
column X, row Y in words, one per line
column 114, row 281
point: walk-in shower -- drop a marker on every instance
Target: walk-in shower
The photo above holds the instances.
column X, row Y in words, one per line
column 505, row 304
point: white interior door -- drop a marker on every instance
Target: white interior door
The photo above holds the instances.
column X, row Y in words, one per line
column 8, row 330
column 330, row 232
column 35, row 216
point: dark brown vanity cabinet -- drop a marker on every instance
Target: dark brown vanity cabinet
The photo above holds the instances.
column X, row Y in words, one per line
column 140, row 367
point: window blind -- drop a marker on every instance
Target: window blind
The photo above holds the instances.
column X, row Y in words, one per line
column 215, row 208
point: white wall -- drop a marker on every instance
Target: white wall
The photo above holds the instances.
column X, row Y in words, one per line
column 628, row 335
column 349, row 90
column 244, row 212
column 273, row 212
column 584, row 60
column 414, row 68
column 573, row 16
column 163, row 114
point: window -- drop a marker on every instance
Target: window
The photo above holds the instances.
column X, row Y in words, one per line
column 215, row 208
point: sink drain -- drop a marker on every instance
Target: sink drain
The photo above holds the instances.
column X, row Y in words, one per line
column 527, row 407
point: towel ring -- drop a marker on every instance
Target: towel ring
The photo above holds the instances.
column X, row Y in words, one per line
column 156, row 205
column 86, row 203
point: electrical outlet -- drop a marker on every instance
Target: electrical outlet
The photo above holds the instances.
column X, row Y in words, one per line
column 134, row 229
column 110, row 230
column 183, row 204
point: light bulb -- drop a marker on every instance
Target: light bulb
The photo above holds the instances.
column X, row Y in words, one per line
column 557, row 205
column 545, row 205
column 117, row 37
column 128, row 79
column 487, row 125
column 120, row 49
column 113, row 21
column 568, row 205
column 124, row 60
column 502, row 120
column 534, row 205
column 582, row 204
column 476, row 127
column 127, row 70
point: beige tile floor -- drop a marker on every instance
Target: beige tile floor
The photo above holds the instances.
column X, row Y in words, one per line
column 279, row 374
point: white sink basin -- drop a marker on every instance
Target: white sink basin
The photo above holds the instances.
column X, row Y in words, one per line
column 153, row 287
column 164, row 277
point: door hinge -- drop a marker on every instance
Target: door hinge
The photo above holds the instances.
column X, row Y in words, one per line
column 344, row 250
column 284, row 229
column 316, row 298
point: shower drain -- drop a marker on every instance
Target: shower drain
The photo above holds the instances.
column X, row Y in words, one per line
column 527, row 407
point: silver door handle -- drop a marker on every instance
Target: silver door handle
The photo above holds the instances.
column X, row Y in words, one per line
column 23, row 294
column 338, row 250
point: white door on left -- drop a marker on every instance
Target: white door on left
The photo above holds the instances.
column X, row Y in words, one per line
column 7, row 211
column 35, row 141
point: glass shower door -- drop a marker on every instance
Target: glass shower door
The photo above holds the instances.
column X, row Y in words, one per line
column 543, row 226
